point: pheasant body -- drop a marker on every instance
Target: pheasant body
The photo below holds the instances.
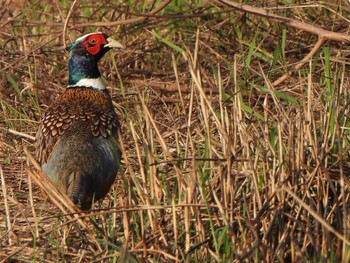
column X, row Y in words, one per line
column 77, row 140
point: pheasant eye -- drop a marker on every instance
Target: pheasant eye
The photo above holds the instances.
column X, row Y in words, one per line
column 93, row 41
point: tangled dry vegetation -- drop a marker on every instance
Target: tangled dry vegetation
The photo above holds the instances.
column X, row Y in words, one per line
column 221, row 162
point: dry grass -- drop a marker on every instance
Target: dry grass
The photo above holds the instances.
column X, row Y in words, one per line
column 218, row 164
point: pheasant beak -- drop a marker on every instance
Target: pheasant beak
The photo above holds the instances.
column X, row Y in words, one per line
column 111, row 43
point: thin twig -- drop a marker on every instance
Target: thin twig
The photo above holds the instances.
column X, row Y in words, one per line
column 313, row 51
column 288, row 21
column 70, row 13
column 7, row 208
column 22, row 134
column 127, row 21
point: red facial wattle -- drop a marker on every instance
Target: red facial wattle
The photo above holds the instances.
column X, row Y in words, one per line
column 93, row 43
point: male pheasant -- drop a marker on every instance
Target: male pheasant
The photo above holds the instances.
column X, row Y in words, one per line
column 77, row 140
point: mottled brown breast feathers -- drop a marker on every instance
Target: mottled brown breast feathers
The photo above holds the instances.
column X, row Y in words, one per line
column 85, row 107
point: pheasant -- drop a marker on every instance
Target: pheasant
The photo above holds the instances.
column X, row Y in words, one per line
column 77, row 139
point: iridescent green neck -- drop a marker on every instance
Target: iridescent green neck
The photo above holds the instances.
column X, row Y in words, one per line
column 82, row 67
